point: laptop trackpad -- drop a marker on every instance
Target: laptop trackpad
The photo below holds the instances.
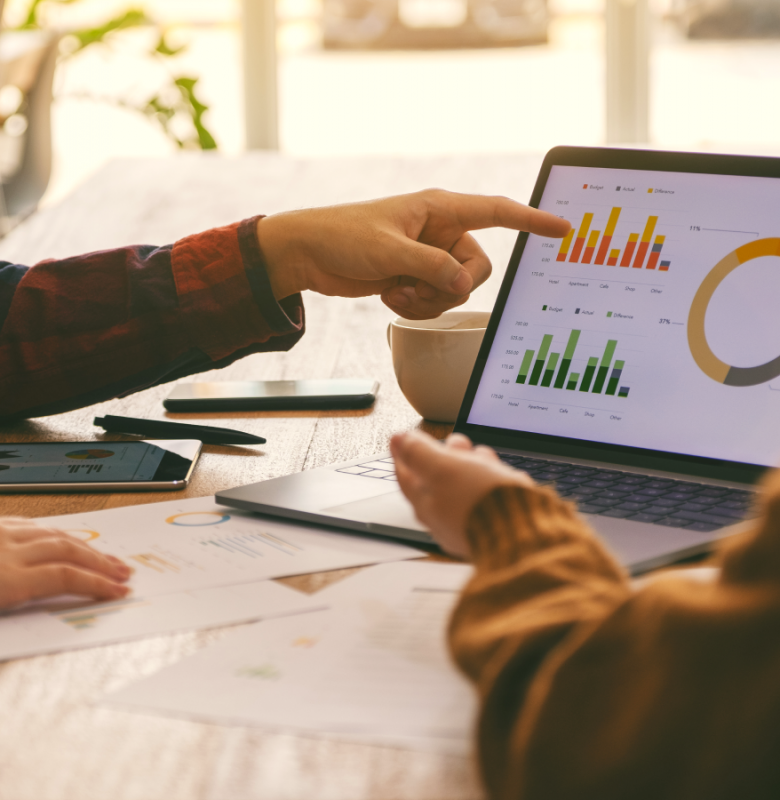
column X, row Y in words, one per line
column 391, row 509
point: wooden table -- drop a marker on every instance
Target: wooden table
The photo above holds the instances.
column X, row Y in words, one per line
column 54, row 742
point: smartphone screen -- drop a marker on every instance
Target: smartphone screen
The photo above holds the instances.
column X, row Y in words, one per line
column 271, row 395
column 93, row 463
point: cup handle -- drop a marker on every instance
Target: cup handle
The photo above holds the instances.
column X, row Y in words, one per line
column 389, row 325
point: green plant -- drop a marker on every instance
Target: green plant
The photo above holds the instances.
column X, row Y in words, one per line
column 174, row 101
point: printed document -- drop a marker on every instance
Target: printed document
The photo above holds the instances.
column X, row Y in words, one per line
column 184, row 545
column 374, row 667
column 54, row 626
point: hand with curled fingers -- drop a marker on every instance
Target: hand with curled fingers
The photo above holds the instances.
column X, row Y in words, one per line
column 445, row 482
column 38, row 561
column 414, row 250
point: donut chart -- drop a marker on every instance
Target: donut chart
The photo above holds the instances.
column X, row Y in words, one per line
column 197, row 519
column 706, row 360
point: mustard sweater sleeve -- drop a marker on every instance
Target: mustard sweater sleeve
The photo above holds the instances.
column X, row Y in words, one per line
column 590, row 689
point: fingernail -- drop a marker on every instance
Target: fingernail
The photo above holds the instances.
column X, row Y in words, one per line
column 120, row 591
column 119, row 567
column 462, row 283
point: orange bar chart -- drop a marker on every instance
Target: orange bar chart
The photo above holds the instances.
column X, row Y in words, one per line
column 590, row 246
column 565, row 245
column 579, row 242
column 629, row 251
column 655, row 253
column 608, row 232
column 647, row 235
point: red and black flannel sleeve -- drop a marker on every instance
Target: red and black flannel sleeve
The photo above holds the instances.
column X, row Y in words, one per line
column 81, row 330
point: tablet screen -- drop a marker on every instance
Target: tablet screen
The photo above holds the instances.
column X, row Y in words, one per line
column 74, row 462
column 655, row 324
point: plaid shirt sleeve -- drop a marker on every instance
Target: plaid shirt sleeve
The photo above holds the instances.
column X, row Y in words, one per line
column 86, row 329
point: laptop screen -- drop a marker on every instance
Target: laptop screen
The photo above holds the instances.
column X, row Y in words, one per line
column 655, row 324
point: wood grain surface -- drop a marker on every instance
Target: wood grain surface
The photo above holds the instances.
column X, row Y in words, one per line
column 54, row 742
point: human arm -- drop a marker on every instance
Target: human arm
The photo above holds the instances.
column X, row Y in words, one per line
column 414, row 250
column 37, row 561
column 81, row 330
column 591, row 688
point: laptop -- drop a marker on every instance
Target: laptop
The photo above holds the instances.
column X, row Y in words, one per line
column 634, row 365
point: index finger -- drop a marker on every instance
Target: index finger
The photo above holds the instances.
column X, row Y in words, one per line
column 50, row 580
column 66, row 550
column 476, row 211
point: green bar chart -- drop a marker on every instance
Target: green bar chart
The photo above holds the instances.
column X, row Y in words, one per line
column 541, row 358
column 548, row 373
column 599, row 375
column 614, row 378
column 525, row 367
column 606, row 360
column 588, row 376
column 568, row 354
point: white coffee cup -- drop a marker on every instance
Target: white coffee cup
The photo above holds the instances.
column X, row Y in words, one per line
column 434, row 358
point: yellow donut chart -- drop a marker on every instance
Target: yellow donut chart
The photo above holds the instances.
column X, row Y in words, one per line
column 707, row 361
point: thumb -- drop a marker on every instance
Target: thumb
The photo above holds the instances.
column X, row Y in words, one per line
column 416, row 450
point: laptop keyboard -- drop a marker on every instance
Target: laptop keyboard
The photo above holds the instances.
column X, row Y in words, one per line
column 642, row 498
column 383, row 468
column 623, row 495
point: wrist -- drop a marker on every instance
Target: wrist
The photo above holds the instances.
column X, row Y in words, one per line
column 280, row 242
column 517, row 519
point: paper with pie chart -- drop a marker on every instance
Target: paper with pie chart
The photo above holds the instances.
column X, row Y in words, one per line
column 184, row 545
column 654, row 324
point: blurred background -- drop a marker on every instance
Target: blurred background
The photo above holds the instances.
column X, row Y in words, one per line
column 386, row 77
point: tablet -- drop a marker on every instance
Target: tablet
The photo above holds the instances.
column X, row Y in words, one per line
column 97, row 466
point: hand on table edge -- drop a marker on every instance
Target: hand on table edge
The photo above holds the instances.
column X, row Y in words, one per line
column 414, row 250
column 445, row 482
column 38, row 561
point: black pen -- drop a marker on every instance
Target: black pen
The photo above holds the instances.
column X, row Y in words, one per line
column 161, row 429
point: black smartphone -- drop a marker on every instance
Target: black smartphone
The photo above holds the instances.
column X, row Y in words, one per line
column 335, row 393
column 97, row 466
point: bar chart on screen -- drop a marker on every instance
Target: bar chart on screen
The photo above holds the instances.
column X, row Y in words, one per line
column 582, row 369
column 640, row 246
column 650, row 323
